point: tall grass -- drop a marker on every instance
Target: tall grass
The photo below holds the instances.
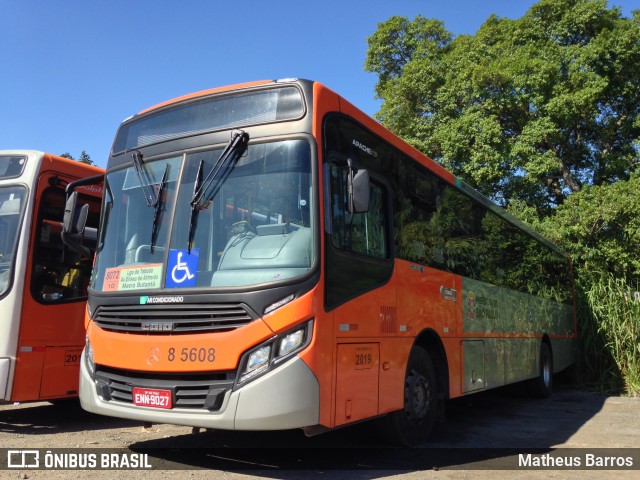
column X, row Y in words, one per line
column 609, row 315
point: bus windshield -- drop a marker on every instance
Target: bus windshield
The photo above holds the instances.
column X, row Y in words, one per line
column 255, row 229
column 12, row 166
column 11, row 208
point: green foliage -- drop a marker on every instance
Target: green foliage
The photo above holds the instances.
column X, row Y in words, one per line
column 541, row 114
column 599, row 226
column 529, row 109
column 614, row 309
column 84, row 157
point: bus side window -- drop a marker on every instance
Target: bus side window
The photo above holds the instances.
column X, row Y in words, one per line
column 361, row 233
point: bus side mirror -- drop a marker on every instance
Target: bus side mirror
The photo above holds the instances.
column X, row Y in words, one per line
column 74, row 223
column 358, row 190
column 74, row 220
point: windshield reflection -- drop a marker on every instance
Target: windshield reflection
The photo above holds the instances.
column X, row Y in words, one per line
column 11, row 207
column 256, row 229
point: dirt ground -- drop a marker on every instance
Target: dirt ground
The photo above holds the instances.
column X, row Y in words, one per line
column 483, row 436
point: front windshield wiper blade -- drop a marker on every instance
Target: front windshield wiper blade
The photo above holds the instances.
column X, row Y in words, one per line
column 157, row 208
column 203, row 190
column 147, row 189
column 225, row 163
column 194, row 210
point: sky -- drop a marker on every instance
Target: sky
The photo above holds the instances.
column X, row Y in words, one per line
column 72, row 70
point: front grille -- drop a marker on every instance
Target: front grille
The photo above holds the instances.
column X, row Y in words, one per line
column 189, row 390
column 183, row 318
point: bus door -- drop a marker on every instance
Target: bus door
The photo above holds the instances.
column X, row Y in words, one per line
column 361, row 283
column 52, row 331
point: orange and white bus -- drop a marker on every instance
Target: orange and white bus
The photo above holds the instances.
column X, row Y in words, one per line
column 270, row 257
column 42, row 283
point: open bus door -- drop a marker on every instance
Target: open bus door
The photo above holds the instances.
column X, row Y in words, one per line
column 54, row 301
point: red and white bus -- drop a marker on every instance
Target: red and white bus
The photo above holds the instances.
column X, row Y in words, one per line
column 271, row 258
column 43, row 284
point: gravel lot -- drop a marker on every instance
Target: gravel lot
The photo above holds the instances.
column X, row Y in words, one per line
column 482, row 432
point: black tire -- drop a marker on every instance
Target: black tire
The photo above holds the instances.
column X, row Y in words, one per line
column 413, row 424
column 542, row 385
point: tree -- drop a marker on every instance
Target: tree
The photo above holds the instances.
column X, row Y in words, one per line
column 84, row 157
column 530, row 109
column 600, row 226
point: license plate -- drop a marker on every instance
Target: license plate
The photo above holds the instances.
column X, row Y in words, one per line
column 151, row 397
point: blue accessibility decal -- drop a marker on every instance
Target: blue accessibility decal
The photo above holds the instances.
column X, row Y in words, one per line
column 182, row 268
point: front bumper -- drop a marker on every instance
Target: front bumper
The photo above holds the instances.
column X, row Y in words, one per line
column 287, row 397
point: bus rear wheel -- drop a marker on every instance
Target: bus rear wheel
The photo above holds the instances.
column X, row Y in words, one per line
column 413, row 424
column 542, row 385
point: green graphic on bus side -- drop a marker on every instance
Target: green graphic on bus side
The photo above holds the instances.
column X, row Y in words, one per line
column 488, row 309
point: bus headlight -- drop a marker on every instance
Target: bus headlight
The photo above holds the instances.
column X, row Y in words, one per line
column 258, row 359
column 88, row 356
column 273, row 352
column 291, row 342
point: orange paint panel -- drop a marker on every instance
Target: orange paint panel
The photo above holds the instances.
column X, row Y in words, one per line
column 52, row 324
column 357, row 382
column 394, row 353
column 60, row 372
column 428, row 298
column 26, row 382
column 176, row 353
column 299, row 310
column 320, row 357
column 67, row 166
column 324, row 101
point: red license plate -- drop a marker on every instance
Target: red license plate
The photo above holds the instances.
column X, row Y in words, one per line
column 151, row 397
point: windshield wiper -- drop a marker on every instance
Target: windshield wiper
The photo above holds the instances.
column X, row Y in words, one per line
column 157, row 208
column 147, row 189
column 194, row 216
column 208, row 188
column 225, row 163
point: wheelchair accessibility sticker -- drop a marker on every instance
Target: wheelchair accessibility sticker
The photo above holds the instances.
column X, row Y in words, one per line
column 182, row 268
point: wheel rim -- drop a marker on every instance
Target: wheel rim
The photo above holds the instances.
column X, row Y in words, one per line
column 418, row 397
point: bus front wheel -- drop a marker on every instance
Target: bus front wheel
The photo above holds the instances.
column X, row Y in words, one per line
column 413, row 424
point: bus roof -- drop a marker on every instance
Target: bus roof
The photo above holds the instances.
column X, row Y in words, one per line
column 43, row 158
column 204, row 93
